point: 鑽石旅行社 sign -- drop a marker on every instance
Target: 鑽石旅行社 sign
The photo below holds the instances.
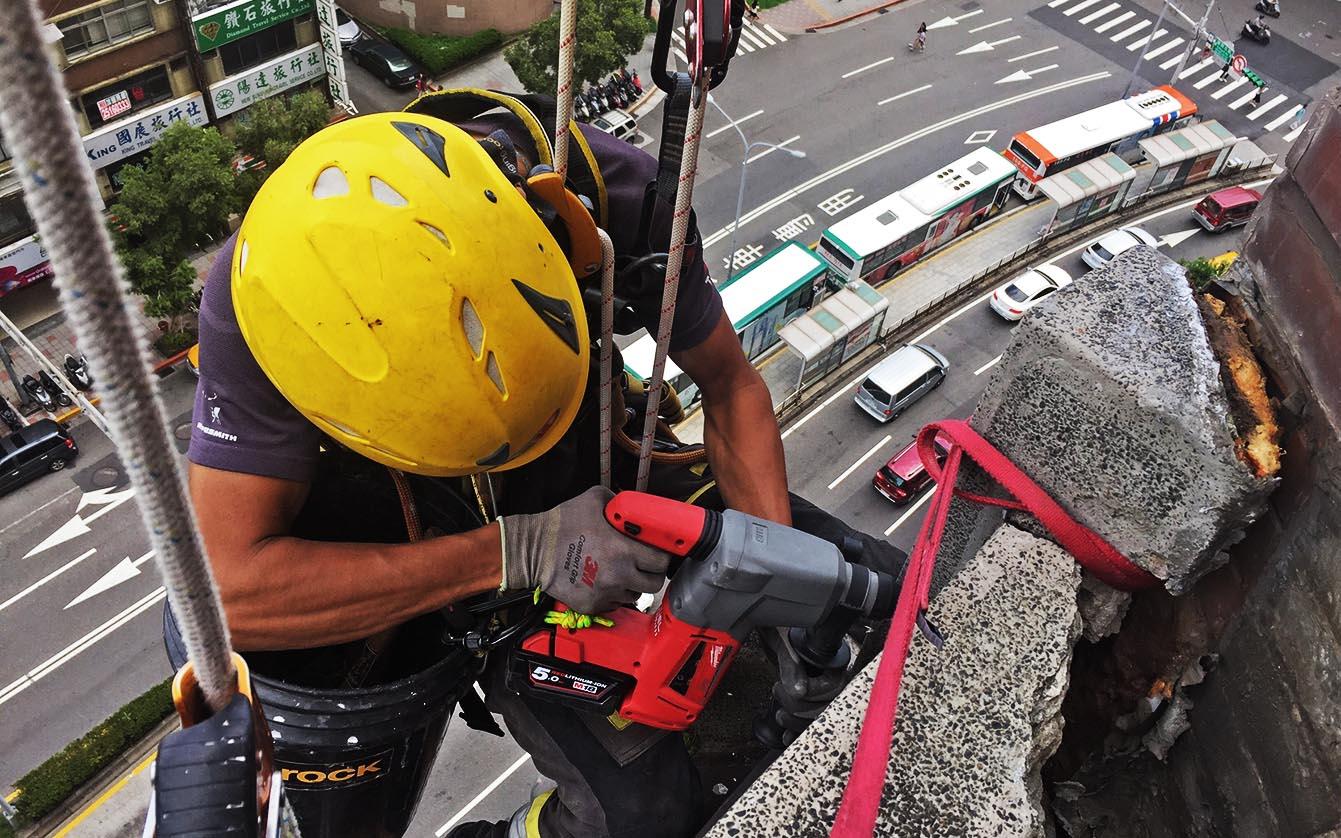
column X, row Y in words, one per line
column 237, row 20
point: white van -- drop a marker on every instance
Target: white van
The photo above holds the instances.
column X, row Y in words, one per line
column 901, row 379
column 617, row 123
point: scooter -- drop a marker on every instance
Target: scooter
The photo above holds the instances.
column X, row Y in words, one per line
column 593, row 100
column 580, row 111
column 1269, row 7
column 34, row 388
column 10, row 417
column 632, row 91
column 49, row 384
column 615, row 95
column 632, row 75
column 76, row 369
column 1261, row 33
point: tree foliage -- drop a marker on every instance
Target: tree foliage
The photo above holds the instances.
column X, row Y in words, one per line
column 608, row 32
column 176, row 201
column 1201, row 271
column 271, row 129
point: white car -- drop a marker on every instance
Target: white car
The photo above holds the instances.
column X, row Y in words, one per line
column 1027, row 290
column 618, row 124
column 1114, row 244
column 346, row 28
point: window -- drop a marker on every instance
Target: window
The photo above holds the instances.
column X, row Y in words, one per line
column 255, row 49
column 887, row 217
column 836, row 254
column 113, row 102
column 108, row 24
column 14, row 221
column 1030, row 159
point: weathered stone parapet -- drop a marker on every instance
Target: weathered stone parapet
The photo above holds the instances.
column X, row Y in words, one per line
column 977, row 718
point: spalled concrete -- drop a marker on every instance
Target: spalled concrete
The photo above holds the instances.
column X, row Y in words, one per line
column 1110, row 398
column 977, row 718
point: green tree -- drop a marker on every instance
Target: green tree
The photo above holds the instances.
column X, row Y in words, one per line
column 176, row 201
column 608, row 32
column 1202, row 271
column 271, row 129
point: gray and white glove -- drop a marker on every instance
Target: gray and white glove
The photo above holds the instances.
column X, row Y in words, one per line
column 575, row 556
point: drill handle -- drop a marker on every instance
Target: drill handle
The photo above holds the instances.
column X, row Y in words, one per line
column 680, row 529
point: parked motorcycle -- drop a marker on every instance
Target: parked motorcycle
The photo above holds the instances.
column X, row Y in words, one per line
column 625, row 85
column 614, row 94
column 580, row 112
column 1258, row 31
column 10, row 416
column 1269, row 7
column 58, row 392
column 632, row 77
column 34, row 389
column 76, row 369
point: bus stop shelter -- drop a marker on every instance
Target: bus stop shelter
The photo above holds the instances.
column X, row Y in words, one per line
column 842, row 325
column 1081, row 193
column 1188, row 155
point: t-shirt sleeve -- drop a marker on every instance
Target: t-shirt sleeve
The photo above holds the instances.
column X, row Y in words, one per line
column 627, row 171
column 240, row 422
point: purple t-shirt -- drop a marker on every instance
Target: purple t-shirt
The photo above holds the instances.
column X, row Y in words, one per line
column 242, row 423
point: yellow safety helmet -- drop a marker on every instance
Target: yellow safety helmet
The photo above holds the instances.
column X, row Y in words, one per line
column 401, row 293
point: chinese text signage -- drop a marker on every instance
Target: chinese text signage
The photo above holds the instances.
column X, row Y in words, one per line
column 237, row 92
column 131, row 136
column 114, row 105
column 330, row 47
column 245, row 17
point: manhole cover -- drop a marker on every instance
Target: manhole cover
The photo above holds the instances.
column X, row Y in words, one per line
column 183, row 431
column 106, row 477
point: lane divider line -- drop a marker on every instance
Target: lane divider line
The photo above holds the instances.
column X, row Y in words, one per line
column 904, row 93
column 850, row 73
column 45, row 579
column 864, row 457
column 905, row 516
column 987, row 366
column 488, row 790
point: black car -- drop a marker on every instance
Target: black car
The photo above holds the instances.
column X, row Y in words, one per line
column 41, row 447
column 383, row 60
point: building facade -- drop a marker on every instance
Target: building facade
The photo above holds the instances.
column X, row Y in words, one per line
column 452, row 17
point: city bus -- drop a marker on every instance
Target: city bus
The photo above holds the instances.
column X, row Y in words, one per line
column 879, row 240
column 770, row 293
column 1044, row 151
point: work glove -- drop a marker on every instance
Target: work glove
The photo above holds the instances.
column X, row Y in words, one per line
column 573, row 554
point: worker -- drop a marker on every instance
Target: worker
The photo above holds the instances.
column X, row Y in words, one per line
column 398, row 290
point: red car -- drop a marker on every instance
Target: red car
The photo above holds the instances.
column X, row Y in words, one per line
column 903, row 478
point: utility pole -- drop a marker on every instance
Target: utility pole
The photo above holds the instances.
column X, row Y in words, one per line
column 1141, row 52
column 13, row 376
column 1197, row 37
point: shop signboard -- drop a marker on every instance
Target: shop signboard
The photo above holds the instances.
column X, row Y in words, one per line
column 141, row 130
column 226, row 24
column 330, row 48
column 114, row 105
column 251, row 86
column 23, row 263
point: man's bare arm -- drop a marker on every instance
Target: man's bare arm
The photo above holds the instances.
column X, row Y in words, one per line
column 282, row 592
column 739, row 428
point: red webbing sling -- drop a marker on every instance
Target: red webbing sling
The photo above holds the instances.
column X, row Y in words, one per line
column 861, row 799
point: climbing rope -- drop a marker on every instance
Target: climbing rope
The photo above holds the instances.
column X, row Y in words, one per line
column 60, row 194
column 564, row 120
column 679, row 230
column 607, row 352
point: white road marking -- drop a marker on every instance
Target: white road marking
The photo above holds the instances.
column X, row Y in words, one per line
column 1080, row 7
column 744, row 43
column 45, row 579
column 1031, row 54
column 1208, row 81
column 1196, row 68
column 1290, row 137
column 929, row 332
column 904, row 93
column 1093, row 16
column 756, row 32
column 59, row 497
column 1117, row 21
column 488, row 790
column 123, row 571
column 990, row 25
column 906, row 515
column 1174, row 239
column 987, row 46
column 987, row 366
column 913, row 136
column 1280, row 120
column 1161, row 49
column 1225, row 91
column 108, row 499
column 1141, row 43
column 772, row 149
column 62, row 657
column 850, row 73
column 727, row 127
column 1025, row 75
column 1266, row 107
column 775, row 33
column 679, row 53
column 954, row 21
column 1129, row 31
column 1242, row 100
column 1172, row 61
column 1055, row 3
column 751, row 39
column 864, row 457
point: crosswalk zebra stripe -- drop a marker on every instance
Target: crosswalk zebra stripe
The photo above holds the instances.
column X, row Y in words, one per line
column 1055, row 3
column 775, row 33
column 1280, row 97
column 1079, row 7
column 1242, row 100
column 1294, row 133
column 1161, row 49
column 1143, row 42
column 758, row 34
column 1279, row 121
column 1195, row 68
column 1208, row 81
column 1172, row 61
column 679, row 53
column 1229, row 88
column 1129, row 31
column 1093, row 16
column 745, row 44
column 1117, row 21
column 747, row 35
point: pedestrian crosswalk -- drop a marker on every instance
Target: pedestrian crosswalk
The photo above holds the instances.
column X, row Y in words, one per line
column 1137, row 30
column 753, row 37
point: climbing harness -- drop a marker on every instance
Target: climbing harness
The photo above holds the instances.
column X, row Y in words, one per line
column 861, row 799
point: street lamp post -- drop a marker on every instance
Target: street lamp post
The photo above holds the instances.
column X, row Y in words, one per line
column 744, row 169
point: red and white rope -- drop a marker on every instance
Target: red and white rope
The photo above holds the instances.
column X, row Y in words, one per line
column 607, row 352
column 567, row 49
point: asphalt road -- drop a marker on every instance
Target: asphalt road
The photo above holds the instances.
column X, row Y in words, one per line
column 79, row 630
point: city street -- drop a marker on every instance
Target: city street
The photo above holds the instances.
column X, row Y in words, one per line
column 80, row 598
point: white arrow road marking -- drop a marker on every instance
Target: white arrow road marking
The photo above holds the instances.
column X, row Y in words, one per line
column 45, row 579
column 62, row 657
column 864, row 457
column 952, row 21
column 1175, row 239
column 904, row 93
column 122, row 571
column 987, row 46
column 1031, row 54
column 1026, row 75
column 77, row 525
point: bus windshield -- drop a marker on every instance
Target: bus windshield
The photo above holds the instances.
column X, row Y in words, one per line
column 1017, row 148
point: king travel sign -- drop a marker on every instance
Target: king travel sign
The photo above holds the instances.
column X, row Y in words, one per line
column 237, row 20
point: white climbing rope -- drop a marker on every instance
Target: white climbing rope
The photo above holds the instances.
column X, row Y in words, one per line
column 59, row 192
column 607, row 352
column 684, row 196
column 567, row 49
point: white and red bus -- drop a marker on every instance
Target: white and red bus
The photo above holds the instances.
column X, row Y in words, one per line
column 887, row 236
column 1044, row 151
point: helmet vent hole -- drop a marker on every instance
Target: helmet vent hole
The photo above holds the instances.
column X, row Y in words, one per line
column 470, row 322
column 382, row 191
column 441, row 236
column 331, row 183
column 242, row 256
column 495, row 374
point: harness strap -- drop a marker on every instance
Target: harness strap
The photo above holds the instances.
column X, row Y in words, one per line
column 861, row 799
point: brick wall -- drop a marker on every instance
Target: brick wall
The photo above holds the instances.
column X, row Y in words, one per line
column 452, row 17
